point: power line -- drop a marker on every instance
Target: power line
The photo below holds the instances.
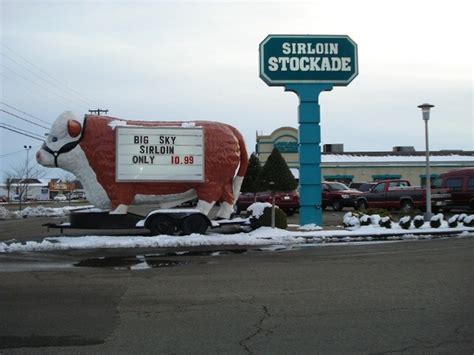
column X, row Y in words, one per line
column 24, row 119
column 25, row 113
column 18, row 151
column 41, row 86
column 77, row 94
column 23, row 134
column 23, row 130
column 34, row 92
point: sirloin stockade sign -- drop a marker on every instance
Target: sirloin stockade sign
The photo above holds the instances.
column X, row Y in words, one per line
column 160, row 154
column 310, row 59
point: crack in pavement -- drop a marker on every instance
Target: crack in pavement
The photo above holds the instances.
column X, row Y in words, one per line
column 259, row 331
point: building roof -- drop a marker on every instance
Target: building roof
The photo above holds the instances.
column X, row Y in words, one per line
column 398, row 158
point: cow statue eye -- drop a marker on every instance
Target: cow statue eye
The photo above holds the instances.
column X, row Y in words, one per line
column 54, row 139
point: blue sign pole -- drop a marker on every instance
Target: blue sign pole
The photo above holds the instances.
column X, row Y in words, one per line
column 309, row 118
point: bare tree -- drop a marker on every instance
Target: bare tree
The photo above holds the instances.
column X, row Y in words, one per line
column 20, row 176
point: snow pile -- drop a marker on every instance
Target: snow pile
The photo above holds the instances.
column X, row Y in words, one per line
column 264, row 236
column 256, row 209
column 309, row 227
column 41, row 211
column 6, row 214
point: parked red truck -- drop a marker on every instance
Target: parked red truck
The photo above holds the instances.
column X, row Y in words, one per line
column 460, row 183
column 399, row 194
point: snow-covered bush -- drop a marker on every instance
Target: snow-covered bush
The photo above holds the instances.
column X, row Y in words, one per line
column 418, row 221
column 385, row 222
column 461, row 217
column 405, row 222
column 435, row 221
column 453, row 221
column 265, row 219
column 469, row 221
column 365, row 220
column 350, row 220
column 375, row 219
column 256, row 209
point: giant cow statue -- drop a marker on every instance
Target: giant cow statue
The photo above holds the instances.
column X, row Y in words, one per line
column 87, row 148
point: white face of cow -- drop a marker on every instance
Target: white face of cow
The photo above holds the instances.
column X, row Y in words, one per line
column 62, row 140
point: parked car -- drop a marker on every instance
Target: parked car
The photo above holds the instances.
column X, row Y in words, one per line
column 60, row 197
column 399, row 194
column 289, row 202
column 460, row 183
column 366, row 186
column 337, row 195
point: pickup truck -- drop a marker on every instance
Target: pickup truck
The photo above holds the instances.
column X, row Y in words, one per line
column 399, row 194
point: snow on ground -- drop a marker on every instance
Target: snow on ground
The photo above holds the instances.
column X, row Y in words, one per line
column 260, row 237
column 39, row 211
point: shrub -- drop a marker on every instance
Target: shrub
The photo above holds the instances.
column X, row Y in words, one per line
column 436, row 220
column 418, row 221
column 453, row 221
column 365, row 220
column 469, row 221
column 265, row 220
column 351, row 220
column 405, row 222
column 385, row 222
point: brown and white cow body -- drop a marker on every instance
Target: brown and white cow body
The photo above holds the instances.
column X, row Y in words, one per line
column 86, row 148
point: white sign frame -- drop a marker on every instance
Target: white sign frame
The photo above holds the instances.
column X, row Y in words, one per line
column 189, row 142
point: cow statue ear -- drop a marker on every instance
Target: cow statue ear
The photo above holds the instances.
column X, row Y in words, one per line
column 74, row 128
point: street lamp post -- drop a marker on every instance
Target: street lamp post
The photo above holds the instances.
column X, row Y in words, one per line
column 27, row 147
column 425, row 109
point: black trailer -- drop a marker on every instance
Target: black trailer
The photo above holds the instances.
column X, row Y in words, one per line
column 170, row 222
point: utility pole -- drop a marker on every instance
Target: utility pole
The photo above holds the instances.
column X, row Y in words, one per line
column 98, row 111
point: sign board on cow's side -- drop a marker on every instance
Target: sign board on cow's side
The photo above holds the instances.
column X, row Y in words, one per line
column 310, row 59
column 160, row 154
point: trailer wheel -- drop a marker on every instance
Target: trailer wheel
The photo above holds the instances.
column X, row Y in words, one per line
column 195, row 223
column 161, row 224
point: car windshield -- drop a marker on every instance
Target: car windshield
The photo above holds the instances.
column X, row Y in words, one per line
column 338, row 186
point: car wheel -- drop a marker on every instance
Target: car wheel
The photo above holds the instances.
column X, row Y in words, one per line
column 161, row 224
column 337, row 205
column 406, row 206
column 361, row 205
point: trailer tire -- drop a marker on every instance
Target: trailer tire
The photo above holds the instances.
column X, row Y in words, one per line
column 195, row 223
column 161, row 224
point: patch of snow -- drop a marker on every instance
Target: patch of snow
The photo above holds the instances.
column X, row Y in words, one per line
column 309, row 227
column 117, row 123
column 405, row 219
column 437, row 217
column 257, row 208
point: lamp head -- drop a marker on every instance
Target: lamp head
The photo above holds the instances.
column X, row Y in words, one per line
column 425, row 109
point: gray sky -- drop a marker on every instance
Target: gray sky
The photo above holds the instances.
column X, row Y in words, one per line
column 155, row 60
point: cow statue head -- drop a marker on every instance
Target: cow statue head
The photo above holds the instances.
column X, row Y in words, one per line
column 63, row 138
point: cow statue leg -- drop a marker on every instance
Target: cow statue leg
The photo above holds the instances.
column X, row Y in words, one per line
column 204, row 206
column 120, row 209
column 225, row 210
